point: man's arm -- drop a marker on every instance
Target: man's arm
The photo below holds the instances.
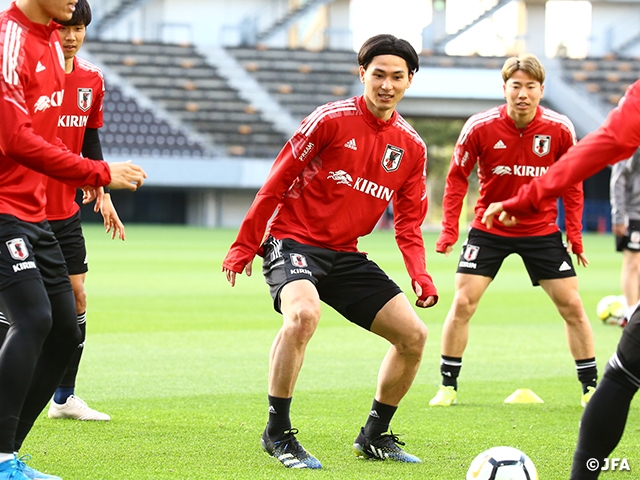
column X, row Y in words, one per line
column 617, row 189
column 410, row 208
column 462, row 163
column 283, row 172
column 616, row 140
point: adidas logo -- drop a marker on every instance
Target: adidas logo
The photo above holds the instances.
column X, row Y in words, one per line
column 272, row 410
column 499, row 144
column 351, row 144
column 374, row 414
column 564, row 267
column 40, row 67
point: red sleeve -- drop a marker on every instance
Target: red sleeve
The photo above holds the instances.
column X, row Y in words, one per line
column 573, row 200
column 617, row 139
column 410, row 208
column 457, row 183
column 96, row 117
column 284, row 171
column 20, row 143
column 25, row 147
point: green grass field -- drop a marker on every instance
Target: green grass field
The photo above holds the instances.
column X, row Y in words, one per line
column 179, row 360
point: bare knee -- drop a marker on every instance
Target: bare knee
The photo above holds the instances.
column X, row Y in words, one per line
column 413, row 341
column 301, row 321
column 572, row 310
column 462, row 309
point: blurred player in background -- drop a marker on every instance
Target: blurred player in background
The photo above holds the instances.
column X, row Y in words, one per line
column 330, row 185
column 35, row 291
column 605, row 416
column 625, row 224
column 512, row 144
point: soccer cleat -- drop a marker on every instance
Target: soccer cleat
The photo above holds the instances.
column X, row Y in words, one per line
column 289, row 451
column 32, row 473
column 10, row 470
column 587, row 396
column 383, row 447
column 445, row 397
column 76, row 409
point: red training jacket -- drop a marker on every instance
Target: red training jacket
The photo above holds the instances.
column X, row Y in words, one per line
column 617, row 139
column 507, row 159
column 81, row 109
column 333, row 180
column 31, row 93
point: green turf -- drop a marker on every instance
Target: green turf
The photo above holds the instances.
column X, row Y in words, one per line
column 179, row 359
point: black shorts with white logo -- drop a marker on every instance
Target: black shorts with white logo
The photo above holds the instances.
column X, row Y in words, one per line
column 30, row 250
column 631, row 241
column 349, row 282
column 545, row 257
column 71, row 240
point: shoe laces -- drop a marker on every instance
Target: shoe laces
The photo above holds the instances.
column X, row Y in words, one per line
column 389, row 440
column 22, row 462
column 289, row 441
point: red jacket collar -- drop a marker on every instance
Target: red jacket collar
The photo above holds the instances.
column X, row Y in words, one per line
column 371, row 119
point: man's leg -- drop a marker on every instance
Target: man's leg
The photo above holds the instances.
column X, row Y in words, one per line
column 398, row 323
column 630, row 276
column 57, row 350
column 455, row 333
column 300, row 306
column 564, row 294
column 65, row 403
column 605, row 416
column 28, row 309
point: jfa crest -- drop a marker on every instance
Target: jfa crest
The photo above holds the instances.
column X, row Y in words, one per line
column 391, row 158
column 471, row 253
column 85, row 97
column 298, row 260
column 18, row 249
column 541, row 144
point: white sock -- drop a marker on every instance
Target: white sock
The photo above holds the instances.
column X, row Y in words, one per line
column 5, row 457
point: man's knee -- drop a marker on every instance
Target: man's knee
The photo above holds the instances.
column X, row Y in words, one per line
column 301, row 319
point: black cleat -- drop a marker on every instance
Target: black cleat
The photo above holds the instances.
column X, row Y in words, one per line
column 289, row 451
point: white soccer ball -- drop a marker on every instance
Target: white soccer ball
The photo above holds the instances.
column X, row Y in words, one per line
column 611, row 309
column 502, row 463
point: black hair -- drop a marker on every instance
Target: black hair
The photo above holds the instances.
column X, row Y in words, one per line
column 81, row 16
column 386, row 44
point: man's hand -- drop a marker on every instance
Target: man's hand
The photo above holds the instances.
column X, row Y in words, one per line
column 619, row 229
column 581, row 258
column 231, row 275
column 448, row 249
column 126, row 175
column 494, row 209
column 427, row 302
column 112, row 222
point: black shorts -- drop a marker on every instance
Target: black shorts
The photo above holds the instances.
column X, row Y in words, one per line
column 631, row 241
column 545, row 257
column 69, row 235
column 347, row 281
column 30, row 250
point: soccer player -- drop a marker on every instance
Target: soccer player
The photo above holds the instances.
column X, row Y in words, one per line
column 512, row 144
column 605, row 416
column 35, row 291
column 329, row 186
column 80, row 119
column 625, row 220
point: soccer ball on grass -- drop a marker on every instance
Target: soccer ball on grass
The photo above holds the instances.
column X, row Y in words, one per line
column 611, row 309
column 502, row 463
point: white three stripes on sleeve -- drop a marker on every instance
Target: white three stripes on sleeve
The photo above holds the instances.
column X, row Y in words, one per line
column 11, row 52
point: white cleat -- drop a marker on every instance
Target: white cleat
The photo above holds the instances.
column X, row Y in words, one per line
column 76, row 409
